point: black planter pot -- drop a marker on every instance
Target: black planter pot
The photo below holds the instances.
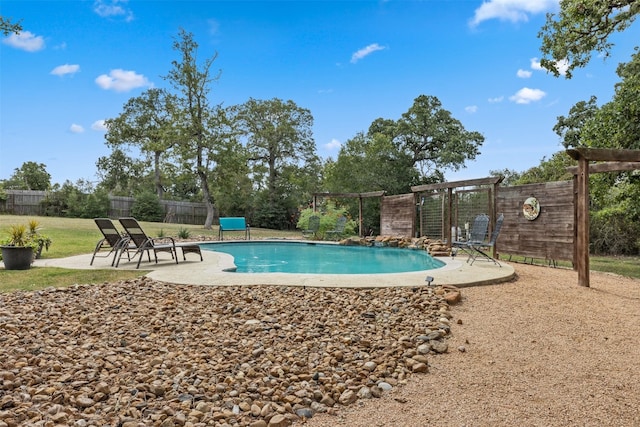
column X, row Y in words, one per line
column 17, row 257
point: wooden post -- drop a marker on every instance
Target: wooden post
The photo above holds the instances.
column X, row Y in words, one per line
column 448, row 218
column 582, row 241
column 360, row 217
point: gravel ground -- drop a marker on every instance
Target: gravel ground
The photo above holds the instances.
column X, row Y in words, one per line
column 538, row 351
column 146, row 353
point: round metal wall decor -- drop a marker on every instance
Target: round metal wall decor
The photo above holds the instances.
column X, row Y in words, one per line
column 531, row 208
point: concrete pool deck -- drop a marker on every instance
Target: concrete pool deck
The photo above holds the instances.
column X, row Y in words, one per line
column 211, row 271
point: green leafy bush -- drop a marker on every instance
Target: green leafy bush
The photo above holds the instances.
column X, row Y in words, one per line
column 96, row 205
column 329, row 214
column 146, row 207
column 614, row 232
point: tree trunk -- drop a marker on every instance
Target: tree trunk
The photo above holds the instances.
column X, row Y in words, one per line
column 207, row 198
column 156, row 165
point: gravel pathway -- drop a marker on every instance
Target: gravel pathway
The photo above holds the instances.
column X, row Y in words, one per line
column 539, row 351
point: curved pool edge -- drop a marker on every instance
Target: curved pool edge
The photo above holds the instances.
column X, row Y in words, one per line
column 211, row 272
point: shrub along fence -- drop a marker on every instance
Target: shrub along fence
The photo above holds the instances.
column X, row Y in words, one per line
column 29, row 202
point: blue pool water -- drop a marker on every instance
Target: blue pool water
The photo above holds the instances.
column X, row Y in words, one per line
column 302, row 257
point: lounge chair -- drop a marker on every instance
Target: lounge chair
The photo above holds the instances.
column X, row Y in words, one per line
column 481, row 248
column 144, row 243
column 339, row 230
column 478, row 233
column 112, row 240
column 312, row 227
column 232, row 223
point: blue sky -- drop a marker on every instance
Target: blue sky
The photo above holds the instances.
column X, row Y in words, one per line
column 77, row 63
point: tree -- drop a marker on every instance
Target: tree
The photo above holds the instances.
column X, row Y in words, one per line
column 29, row 176
column 431, row 136
column 279, row 144
column 231, row 177
column 614, row 206
column 570, row 128
column 616, row 124
column 147, row 122
column 7, row 27
column 549, row 170
column 581, row 27
column 368, row 163
column 509, row 176
column 120, row 174
column 196, row 142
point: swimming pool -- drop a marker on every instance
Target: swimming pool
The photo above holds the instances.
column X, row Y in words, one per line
column 319, row 258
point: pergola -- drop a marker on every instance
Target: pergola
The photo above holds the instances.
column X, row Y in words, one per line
column 616, row 160
column 359, row 196
column 493, row 182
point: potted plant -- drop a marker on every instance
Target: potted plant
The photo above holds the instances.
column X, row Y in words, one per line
column 20, row 248
column 42, row 241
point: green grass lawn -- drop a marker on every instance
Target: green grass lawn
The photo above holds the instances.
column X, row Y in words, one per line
column 624, row 266
column 75, row 236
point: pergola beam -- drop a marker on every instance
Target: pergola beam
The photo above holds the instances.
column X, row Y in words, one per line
column 625, row 159
column 607, row 167
column 454, row 184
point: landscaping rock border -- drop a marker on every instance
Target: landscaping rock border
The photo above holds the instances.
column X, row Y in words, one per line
column 147, row 353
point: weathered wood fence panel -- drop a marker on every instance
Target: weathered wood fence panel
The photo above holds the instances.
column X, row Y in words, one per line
column 185, row 212
column 28, row 202
column 23, row 202
column 398, row 215
column 551, row 235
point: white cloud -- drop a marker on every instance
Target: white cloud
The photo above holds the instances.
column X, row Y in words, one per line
column 524, row 74
column 25, row 40
column 365, row 52
column 562, row 65
column 62, row 70
column 535, row 64
column 496, row 99
column 113, row 8
column 511, row 10
column 76, row 128
column 526, row 96
column 122, row 80
column 99, row 125
column 471, row 109
column 333, row 145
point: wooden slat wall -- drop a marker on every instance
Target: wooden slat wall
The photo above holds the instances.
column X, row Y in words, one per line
column 398, row 215
column 27, row 202
column 24, row 202
column 551, row 235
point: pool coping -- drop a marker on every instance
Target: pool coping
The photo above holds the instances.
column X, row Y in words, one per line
column 211, row 271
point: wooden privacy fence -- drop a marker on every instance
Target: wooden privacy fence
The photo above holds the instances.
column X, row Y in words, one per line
column 446, row 208
column 550, row 235
column 23, row 202
column 29, row 202
column 397, row 215
column 174, row 211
